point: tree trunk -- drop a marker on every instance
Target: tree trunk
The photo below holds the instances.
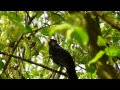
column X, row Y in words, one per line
column 104, row 70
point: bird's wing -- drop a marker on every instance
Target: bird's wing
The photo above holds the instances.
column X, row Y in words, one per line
column 63, row 57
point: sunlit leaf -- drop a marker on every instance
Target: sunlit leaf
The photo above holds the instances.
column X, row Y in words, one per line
column 81, row 36
column 35, row 28
column 59, row 28
column 101, row 41
column 13, row 17
column 96, row 58
column 113, row 51
column 94, row 75
column 69, row 33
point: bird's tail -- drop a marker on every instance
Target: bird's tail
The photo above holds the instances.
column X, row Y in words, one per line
column 72, row 74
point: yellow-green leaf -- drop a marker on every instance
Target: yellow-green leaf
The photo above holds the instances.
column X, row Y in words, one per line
column 96, row 58
column 81, row 36
column 113, row 51
column 61, row 28
column 101, row 41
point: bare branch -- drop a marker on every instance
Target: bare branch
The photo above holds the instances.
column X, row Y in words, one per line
column 29, row 61
column 81, row 67
column 30, row 18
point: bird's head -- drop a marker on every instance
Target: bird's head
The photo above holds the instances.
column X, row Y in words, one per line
column 52, row 42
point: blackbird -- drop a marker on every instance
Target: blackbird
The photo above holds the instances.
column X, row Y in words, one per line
column 62, row 57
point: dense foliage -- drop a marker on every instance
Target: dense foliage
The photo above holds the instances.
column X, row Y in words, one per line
column 91, row 37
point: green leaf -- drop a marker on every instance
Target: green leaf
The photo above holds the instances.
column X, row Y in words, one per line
column 116, row 39
column 84, row 59
column 94, row 75
column 2, row 46
column 118, row 17
column 39, row 13
column 67, row 29
column 69, row 33
column 90, row 68
column 27, row 30
column 13, row 17
column 1, row 64
column 59, row 28
column 101, row 41
column 45, row 31
column 81, row 36
column 96, row 58
column 113, row 51
column 56, row 17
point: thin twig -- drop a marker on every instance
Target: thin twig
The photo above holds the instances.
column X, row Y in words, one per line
column 82, row 68
column 30, row 18
column 33, row 63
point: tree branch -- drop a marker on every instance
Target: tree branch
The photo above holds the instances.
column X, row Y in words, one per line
column 109, row 19
column 30, row 18
column 29, row 61
column 82, row 68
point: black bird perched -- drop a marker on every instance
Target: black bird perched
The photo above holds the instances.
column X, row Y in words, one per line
column 61, row 57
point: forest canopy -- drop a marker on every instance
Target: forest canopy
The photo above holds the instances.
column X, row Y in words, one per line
column 91, row 37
